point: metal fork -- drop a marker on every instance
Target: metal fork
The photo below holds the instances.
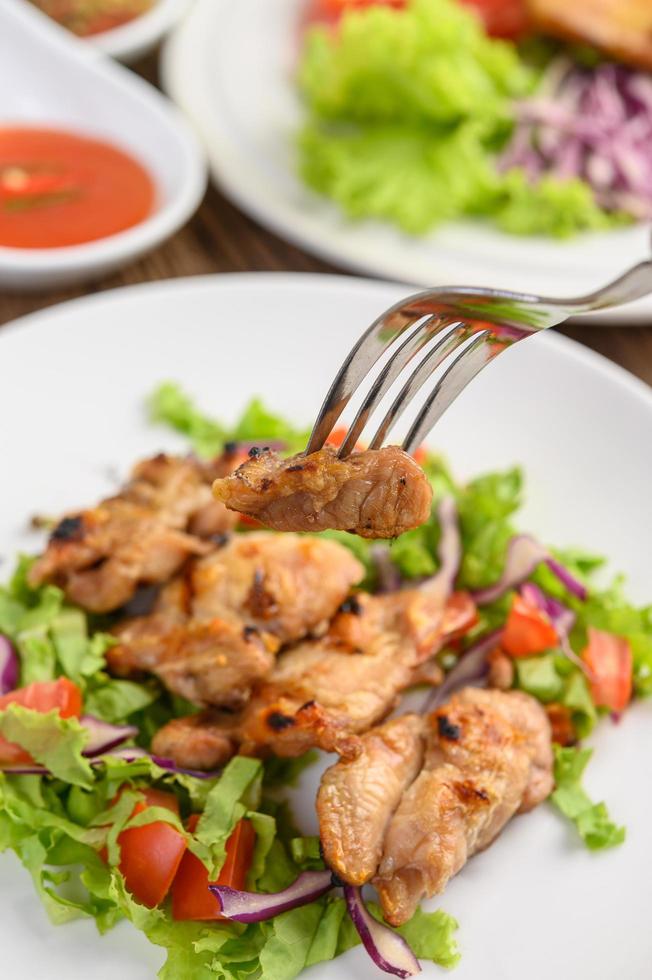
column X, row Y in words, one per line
column 465, row 326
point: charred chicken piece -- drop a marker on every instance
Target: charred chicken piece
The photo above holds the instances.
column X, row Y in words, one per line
column 287, row 585
column 99, row 557
column 622, row 28
column 358, row 796
column 323, row 693
column 489, row 757
column 378, row 493
column 216, row 632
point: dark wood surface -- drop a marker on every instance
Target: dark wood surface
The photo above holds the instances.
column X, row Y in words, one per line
column 222, row 239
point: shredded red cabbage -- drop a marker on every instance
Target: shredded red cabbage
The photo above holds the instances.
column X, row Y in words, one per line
column 595, row 124
column 524, row 553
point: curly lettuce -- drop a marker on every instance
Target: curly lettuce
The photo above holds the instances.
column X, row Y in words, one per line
column 406, row 112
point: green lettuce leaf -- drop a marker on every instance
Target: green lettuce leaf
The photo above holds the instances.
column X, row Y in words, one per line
column 591, row 819
column 172, row 406
column 54, row 742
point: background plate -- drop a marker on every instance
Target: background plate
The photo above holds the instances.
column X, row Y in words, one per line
column 72, row 385
column 230, row 67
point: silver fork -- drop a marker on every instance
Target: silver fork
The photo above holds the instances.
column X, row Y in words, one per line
column 466, row 327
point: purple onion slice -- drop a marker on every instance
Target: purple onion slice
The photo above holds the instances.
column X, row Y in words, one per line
column 103, row 736
column 524, row 554
column 471, row 670
column 9, row 665
column 171, row 766
column 25, row 769
column 256, row 907
column 389, row 576
column 449, row 551
column 387, row 948
column 562, row 618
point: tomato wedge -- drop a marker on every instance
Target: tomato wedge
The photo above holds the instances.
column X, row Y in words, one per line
column 150, row 855
column 502, row 18
column 43, row 696
column 527, row 631
column 191, row 899
column 610, row 663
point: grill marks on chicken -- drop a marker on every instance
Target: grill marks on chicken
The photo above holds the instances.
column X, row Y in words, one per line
column 323, row 693
column 216, row 632
column 358, row 796
column 489, row 757
column 377, row 493
column 143, row 535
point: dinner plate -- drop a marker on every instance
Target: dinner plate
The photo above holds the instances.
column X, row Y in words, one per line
column 230, row 66
column 73, row 382
column 139, row 36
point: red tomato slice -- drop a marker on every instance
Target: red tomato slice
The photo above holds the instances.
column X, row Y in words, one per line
column 610, row 663
column 502, row 18
column 191, row 899
column 527, row 631
column 150, row 856
column 60, row 695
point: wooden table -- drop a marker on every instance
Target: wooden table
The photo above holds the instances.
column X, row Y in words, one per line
column 222, row 239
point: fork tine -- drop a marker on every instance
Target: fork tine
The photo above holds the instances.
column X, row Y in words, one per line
column 436, row 356
column 463, row 369
column 401, row 357
column 366, row 352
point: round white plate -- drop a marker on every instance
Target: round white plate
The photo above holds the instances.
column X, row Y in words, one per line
column 72, row 385
column 230, row 67
column 139, row 36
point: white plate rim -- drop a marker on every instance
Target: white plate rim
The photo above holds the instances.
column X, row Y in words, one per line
column 236, row 177
column 243, row 283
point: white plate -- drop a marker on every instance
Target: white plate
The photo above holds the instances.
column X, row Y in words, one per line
column 139, row 36
column 72, row 385
column 49, row 78
column 230, row 67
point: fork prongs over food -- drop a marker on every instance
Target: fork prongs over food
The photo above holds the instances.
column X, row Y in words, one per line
column 441, row 326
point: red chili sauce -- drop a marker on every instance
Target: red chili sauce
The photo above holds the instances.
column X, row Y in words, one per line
column 57, row 188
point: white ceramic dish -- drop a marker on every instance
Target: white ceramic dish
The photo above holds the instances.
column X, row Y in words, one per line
column 49, row 78
column 536, row 904
column 230, row 67
column 141, row 35
column 138, row 37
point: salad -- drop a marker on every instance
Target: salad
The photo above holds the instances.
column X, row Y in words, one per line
column 84, row 801
column 425, row 111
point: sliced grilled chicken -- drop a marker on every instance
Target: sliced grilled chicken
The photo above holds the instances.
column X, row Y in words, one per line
column 215, row 632
column 377, row 493
column 489, row 757
column 358, row 796
column 325, row 692
column 99, row 557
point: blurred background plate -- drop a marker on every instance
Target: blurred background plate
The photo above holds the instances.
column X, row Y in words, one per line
column 537, row 904
column 230, row 66
column 52, row 80
column 141, row 35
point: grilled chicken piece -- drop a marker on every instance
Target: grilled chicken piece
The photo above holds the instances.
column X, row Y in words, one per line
column 622, row 28
column 284, row 584
column 216, row 632
column 489, row 757
column 99, row 557
column 377, row 494
column 323, row 692
column 358, row 796
column 195, row 742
